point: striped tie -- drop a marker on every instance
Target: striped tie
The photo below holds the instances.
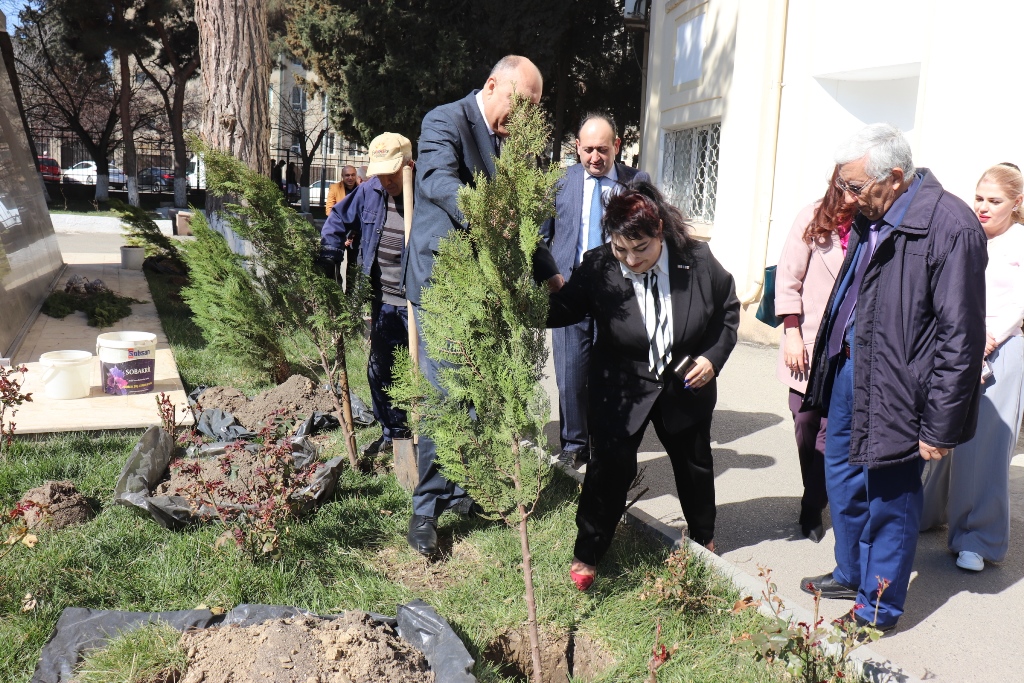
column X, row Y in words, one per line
column 660, row 322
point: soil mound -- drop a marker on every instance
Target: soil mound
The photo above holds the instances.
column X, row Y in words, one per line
column 237, row 474
column 350, row 649
column 55, row 505
column 298, row 396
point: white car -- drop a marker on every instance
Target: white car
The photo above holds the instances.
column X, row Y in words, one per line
column 85, row 172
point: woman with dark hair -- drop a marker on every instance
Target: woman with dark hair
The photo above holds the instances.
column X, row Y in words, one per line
column 810, row 260
column 666, row 315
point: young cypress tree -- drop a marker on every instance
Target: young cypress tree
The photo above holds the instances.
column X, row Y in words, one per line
column 485, row 315
column 227, row 304
column 290, row 301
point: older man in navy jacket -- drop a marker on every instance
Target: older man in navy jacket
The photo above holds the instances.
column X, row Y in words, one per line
column 574, row 230
column 897, row 364
column 372, row 216
column 457, row 141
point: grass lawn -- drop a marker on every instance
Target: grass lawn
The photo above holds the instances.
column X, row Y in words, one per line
column 350, row 554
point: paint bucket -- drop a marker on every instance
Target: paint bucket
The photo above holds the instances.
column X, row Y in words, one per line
column 66, row 374
column 127, row 362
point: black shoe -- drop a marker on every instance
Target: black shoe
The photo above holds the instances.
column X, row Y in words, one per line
column 380, row 446
column 574, row 459
column 811, row 525
column 467, row 507
column 853, row 622
column 422, row 535
column 828, row 586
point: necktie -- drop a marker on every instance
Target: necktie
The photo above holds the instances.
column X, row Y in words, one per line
column 497, row 146
column 596, row 209
column 659, row 323
column 845, row 313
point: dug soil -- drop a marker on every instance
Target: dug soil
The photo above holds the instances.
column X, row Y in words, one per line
column 55, row 505
column 237, row 471
column 350, row 649
column 299, row 397
column 563, row 656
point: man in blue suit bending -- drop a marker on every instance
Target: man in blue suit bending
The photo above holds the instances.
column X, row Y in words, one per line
column 457, row 141
column 576, row 228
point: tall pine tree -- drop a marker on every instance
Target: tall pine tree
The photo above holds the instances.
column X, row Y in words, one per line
column 485, row 315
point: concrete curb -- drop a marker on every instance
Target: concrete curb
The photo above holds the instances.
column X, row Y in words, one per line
column 72, row 223
column 868, row 663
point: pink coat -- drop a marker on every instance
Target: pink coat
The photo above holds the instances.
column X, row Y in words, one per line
column 803, row 282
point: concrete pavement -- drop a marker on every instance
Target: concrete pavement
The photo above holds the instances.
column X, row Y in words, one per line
column 958, row 626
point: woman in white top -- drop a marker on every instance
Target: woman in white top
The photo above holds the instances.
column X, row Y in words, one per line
column 979, row 491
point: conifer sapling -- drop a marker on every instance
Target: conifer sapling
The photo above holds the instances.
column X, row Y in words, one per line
column 485, row 316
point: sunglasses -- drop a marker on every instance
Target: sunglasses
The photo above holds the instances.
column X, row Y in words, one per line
column 855, row 190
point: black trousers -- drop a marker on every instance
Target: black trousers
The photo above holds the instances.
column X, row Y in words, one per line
column 809, row 428
column 613, row 468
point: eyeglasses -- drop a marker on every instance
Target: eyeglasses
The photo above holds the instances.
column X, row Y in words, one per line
column 855, row 190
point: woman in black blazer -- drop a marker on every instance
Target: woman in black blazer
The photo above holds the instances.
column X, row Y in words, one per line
column 643, row 330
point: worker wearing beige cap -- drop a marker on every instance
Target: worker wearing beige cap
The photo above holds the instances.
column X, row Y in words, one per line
column 373, row 216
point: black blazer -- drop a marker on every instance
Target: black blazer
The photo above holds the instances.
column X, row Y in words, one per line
column 622, row 388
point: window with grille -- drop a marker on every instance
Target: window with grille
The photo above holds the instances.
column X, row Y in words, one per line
column 298, row 98
column 690, row 170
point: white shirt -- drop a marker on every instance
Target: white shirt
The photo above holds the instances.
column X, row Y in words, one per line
column 1004, row 284
column 651, row 322
column 480, row 104
column 608, row 184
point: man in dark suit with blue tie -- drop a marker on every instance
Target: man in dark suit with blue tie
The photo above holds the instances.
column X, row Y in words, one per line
column 457, row 141
column 574, row 230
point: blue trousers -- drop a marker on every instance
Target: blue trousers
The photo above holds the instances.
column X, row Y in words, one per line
column 570, row 348
column 876, row 514
column 434, row 494
column 389, row 331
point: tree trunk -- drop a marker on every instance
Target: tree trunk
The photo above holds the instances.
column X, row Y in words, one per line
column 234, row 51
column 127, row 133
column 345, row 409
column 530, row 596
column 180, row 149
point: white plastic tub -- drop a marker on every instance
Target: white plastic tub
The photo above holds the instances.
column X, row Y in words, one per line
column 66, row 374
column 132, row 257
column 127, row 362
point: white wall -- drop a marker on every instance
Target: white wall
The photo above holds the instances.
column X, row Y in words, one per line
column 948, row 73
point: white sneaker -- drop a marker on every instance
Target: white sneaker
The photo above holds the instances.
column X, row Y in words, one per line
column 970, row 561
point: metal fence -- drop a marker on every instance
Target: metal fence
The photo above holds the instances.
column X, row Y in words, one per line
column 690, row 170
column 68, row 150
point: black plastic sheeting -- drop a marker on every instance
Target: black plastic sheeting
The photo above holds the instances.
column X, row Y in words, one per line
column 80, row 629
column 147, row 466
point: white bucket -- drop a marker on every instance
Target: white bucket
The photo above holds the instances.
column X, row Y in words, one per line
column 127, row 362
column 67, row 373
column 132, row 257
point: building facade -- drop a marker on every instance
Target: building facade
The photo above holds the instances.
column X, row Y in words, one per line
column 747, row 100
column 297, row 115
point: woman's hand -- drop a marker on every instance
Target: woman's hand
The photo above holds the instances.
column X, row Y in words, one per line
column 700, row 374
column 990, row 344
column 795, row 353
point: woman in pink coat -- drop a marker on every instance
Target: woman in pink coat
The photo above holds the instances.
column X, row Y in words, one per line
column 807, row 269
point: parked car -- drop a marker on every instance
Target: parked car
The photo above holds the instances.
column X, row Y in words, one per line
column 156, row 179
column 196, row 172
column 50, row 169
column 85, row 172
